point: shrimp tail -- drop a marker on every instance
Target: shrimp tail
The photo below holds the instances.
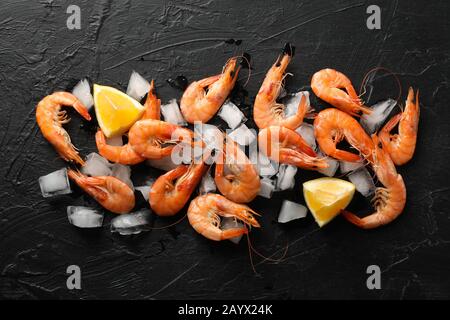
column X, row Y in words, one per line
column 369, row 222
column 289, row 49
column 353, row 218
column 82, row 110
column 152, row 104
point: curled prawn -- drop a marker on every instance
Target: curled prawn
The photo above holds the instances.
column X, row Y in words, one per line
column 205, row 211
column 50, row 118
column 401, row 146
column 332, row 125
column 390, row 200
column 266, row 110
column 284, row 145
column 110, row 192
column 171, row 191
column 235, row 175
column 125, row 154
column 155, row 139
column 202, row 99
column 327, row 84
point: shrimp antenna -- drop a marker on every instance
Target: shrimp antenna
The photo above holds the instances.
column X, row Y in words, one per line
column 252, row 250
column 169, row 225
column 362, row 89
column 250, row 254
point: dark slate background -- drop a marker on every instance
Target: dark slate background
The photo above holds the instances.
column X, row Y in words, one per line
column 162, row 40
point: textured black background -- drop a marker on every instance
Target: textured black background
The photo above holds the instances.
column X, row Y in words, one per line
column 39, row 55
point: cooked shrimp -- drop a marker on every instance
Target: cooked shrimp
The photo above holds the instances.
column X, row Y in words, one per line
column 171, row 191
column 332, row 125
column 202, row 99
column 241, row 182
column 401, row 146
column 266, row 110
column 389, row 201
column 50, row 118
column 125, row 154
column 327, row 84
column 204, row 216
column 284, row 145
column 155, row 139
column 112, row 194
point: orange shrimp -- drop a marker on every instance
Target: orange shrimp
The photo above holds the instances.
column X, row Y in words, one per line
column 333, row 125
column 266, row 110
column 327, row 84
column 284, row 145
column 241, row 183
column 155, row 139
column 204, row 216
column 401, row 146
column 50, row 118
column 112, row 194
column 171, row 191
column 125, row 154
column 202, row 99
column 389, row 201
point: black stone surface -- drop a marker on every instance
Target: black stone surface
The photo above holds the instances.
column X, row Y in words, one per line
column 163, row 40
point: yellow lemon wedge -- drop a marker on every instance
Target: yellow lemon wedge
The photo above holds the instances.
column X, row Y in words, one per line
column 116, row 112
column 326, row 197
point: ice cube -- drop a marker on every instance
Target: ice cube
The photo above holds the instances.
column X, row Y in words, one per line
column 207, row 185
column 137, row 86
column 210, row 134
column 380, row 111
column 171, row 113
column 123, row 173
column 131, row 223
column 231, row 114
column 267, row 188
column 286, row 177
column 165, row 164
column 291, row 103
column 96, row 166
column 291, row 211
column 82, row 91
column 333, row 165
column 243, row 135
column 307, row 132
column 145, row 189
column 55, row 183
column 347, row 166
column 182, row 154
column 263, row 165
column 229, row 223
column 84, row 217
column 363, row 181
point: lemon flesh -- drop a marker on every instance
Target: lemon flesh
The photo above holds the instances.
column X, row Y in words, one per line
column 116, row 112
column 326, row 197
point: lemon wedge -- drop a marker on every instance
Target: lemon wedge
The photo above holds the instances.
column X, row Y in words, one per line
column 326, row 197
column 116, row 112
